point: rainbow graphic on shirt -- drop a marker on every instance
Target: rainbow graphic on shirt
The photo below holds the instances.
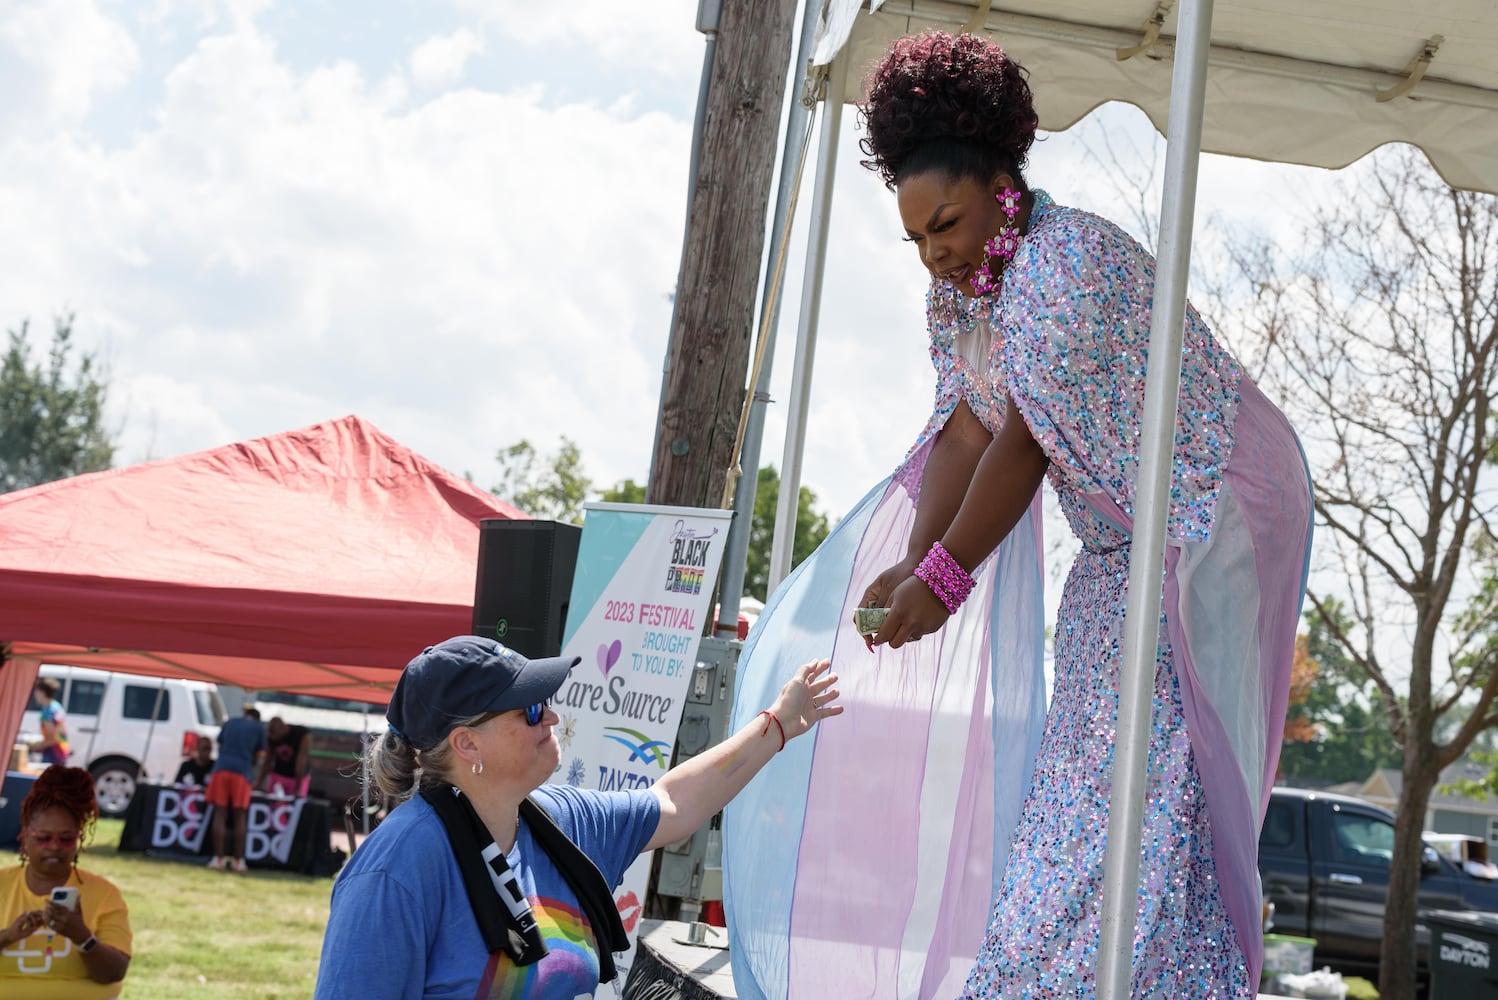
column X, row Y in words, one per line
column 569, row 970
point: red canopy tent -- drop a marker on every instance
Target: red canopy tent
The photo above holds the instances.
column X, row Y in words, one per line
column 318, row 561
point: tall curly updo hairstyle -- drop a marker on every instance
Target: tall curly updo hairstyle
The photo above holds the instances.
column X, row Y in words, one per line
column 959, row 105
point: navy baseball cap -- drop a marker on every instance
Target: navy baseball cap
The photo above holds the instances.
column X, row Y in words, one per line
column 466, row 676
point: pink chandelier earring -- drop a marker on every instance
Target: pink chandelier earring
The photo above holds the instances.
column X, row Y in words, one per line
column 1002, row 245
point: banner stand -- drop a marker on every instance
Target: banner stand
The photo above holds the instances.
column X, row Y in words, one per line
column 642, row 597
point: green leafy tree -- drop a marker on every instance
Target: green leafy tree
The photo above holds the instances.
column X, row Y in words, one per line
column 1345, row 729
column 51, row 412
column 811, row 528
column 624, row 491
column 554, row 488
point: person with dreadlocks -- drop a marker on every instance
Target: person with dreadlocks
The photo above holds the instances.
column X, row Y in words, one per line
column 48, row 948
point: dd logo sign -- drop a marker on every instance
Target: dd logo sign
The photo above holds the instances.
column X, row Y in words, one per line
column 179, row 821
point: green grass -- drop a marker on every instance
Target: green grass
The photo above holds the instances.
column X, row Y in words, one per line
column 205, row 933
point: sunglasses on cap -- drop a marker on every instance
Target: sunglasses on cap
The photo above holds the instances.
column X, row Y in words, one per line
column 533, row 713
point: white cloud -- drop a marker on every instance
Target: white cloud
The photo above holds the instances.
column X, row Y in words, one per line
column 282, row 248
column 440, row 60
column 206, row 13
column 71, row 51
column 659, row 37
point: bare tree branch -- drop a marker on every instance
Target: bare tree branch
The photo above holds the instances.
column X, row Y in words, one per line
column 1379, row 332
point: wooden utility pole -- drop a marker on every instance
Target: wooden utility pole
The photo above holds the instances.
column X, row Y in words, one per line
column 708, row 359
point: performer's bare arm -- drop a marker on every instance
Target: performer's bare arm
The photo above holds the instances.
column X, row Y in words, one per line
column 959, row 446
column 1004, row 482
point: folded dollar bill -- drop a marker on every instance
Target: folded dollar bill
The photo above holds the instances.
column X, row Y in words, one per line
column 868, row 620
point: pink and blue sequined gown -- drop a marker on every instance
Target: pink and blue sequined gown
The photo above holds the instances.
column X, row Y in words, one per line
column 854, row 866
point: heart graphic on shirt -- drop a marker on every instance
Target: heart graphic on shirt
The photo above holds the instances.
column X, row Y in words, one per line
column 608, row 656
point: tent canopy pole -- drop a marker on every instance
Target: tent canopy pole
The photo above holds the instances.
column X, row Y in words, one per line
column 784, row 540
column 1152, row 503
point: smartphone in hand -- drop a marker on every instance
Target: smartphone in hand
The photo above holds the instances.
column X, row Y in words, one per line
column 66, row 896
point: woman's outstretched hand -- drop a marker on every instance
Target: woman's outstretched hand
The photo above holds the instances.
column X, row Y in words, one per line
column 701, row 785
column 914, row 611
column 807, row 698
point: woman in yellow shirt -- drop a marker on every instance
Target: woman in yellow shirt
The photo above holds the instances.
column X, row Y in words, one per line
column 50, row 949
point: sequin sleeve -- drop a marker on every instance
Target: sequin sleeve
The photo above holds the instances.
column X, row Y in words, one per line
column 1074, row 322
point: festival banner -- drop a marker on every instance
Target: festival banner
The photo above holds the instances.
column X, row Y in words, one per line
column 641, row 596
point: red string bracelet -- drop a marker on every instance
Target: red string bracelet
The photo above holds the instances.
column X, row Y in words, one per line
column 766, row 731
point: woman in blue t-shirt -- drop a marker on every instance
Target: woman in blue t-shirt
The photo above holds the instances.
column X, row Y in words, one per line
column 473, row 887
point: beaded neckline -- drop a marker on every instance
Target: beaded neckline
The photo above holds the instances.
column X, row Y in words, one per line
column 957, row 314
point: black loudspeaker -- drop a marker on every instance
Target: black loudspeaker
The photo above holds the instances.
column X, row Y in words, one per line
column 524, row 583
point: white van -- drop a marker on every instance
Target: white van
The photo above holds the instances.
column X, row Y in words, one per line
column 112, row 733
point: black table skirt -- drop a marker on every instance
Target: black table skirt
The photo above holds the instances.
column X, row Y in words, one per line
column 653, row 976
column 14, row 788
column 285, row 834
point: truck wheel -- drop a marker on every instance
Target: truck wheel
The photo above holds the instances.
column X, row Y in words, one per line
column 114, row 784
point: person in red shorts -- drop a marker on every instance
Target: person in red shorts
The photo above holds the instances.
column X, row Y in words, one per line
column 241, row 744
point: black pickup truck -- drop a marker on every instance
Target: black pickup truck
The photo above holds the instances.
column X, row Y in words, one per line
column 1325, row 864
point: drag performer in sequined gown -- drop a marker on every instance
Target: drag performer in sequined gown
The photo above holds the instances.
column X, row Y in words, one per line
column 1039, row 321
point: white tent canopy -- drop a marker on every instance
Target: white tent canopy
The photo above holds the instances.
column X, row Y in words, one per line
column 1287, row 80
column 1318, row 83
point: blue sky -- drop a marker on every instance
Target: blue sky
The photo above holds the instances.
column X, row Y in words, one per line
column 461, row 221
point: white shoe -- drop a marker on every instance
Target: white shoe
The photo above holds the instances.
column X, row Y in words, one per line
column 238, row 865
column 217, row 864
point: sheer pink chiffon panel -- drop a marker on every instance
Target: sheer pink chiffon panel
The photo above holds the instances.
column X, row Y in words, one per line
column 861, row 860
column 1236, row 607
column 899, row 828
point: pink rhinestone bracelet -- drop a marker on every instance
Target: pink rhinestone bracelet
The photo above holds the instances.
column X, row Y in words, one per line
column 946, row 578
